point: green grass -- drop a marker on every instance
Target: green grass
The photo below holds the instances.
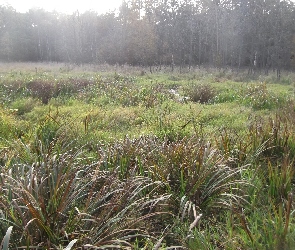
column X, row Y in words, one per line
column 111, row 157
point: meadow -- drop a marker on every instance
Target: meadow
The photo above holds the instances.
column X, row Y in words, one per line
column 117, row 157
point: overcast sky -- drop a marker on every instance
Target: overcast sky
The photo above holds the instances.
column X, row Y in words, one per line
column 100, row 6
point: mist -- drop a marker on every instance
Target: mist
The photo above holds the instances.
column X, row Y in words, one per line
column 256, row 34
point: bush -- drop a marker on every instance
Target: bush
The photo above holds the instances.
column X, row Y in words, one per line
column 202, row 93
column 42, row 90
column 45, row 89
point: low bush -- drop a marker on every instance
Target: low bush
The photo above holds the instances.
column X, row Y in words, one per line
column 202, row 93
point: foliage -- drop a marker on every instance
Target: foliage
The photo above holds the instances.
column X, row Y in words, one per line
column 24, row 105
column 45, row 90
column 123, row 160
column 202, row 93
column 259, row 97
column 8, row 126
column 64, row 196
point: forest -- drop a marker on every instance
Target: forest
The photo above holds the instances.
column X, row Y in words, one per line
column 220, row 33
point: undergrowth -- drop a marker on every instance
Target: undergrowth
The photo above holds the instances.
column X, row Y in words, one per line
column 117, row 161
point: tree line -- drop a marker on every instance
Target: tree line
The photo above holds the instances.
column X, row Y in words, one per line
column 221, row 33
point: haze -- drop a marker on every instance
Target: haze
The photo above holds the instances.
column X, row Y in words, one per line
column 99, row 6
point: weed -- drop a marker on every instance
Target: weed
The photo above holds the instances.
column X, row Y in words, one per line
column 259, row 97
column 118, row 160
column 202, row 93
column 64, row 196
column 24, row 105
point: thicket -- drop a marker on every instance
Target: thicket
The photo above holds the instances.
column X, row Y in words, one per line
column 130, row 161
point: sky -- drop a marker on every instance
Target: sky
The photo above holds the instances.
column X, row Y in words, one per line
column 64, row 6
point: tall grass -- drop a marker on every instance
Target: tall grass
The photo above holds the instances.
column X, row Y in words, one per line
column 63, row 196
column 117, row 160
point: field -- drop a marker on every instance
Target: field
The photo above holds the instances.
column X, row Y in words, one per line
column 117, row 157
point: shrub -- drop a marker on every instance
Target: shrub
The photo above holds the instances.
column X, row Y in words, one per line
column 46, row 89
column 42, row 90
column 202, row 93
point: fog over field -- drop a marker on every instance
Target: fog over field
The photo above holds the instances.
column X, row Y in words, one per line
column 255, row 34
column 147, row 124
